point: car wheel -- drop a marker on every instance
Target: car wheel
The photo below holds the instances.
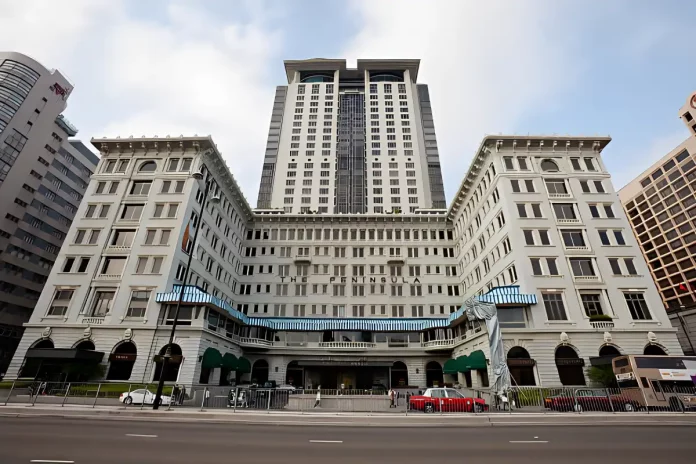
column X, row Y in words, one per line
column 429, row 408
column 128, row 400
column 628, row 407
column 578, row 407
column 478, row 407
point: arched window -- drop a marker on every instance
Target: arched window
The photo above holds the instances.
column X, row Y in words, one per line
column 654, row 350
column 521, row 367
column 433, row 374
column 46, row 343
column 148, row 166
column 399, row 375
column 569, row 366
column 294, row 374
column 259, row 372
column 609, row 350
column 85, row 345
column 549, row 166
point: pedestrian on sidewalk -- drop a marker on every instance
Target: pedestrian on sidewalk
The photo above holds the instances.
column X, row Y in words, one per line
column 207, row 398
column 317, row 403
column 391, row 398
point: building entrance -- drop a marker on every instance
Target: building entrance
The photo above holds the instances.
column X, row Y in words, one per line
column 345, row 375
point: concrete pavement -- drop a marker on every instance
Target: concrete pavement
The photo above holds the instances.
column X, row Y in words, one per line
column 23, row 440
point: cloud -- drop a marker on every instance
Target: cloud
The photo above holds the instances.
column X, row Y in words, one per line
column 182, row 70
column 487, row 64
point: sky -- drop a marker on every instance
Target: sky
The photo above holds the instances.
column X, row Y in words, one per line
column 209, row 67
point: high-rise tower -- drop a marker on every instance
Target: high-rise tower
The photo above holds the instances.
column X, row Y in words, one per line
column 352, row 140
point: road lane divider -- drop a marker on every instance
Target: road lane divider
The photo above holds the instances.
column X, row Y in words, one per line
column 325, row 441
column 140, row 436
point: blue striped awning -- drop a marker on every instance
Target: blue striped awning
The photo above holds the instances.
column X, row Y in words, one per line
column 194, row 294
column 505, row 295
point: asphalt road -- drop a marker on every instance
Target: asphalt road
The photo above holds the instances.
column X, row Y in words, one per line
column 23, row 440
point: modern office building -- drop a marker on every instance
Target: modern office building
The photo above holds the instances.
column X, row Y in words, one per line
column 661, row 206
column 43, row 177
column 347, row 299
column 349, row 141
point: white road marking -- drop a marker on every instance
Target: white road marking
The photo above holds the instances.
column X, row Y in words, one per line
column 325, row 441
column 536, row 438
column 528, row 441
column 52, row 461
column 142, row 436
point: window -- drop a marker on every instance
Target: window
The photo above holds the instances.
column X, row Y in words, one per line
column 536, row 266
column 60, row 303
column 132, row 212
column 573, row 238
column 122, row 238
column 140, row 187
column 575, row 163
column 591, row 304
column 564, row 211
column 549, row 166
column 148, row 166
column 637, row 306
column 589, row 163
column 555, row 309
column 582, row 267
column 138, row 303
column 556, row 187
column 102, row 302
column 167, row 210
column 113, row 266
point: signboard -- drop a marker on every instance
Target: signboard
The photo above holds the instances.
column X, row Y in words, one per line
column 570, row 362
column 59, row 90
column 520, row 362
column 354, row 280
column 175, row 359
column 122, row 357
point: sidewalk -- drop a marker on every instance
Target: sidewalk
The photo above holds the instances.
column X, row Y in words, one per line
column 347, row 419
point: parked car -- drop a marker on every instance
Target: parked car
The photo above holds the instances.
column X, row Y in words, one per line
column 142, row 396
column 591, row 400
column 378, row 389
column 447, row 400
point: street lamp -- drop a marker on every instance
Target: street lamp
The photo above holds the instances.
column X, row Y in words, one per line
column 166, row 359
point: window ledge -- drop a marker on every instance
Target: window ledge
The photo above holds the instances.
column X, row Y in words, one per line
column 566, row 322
column 627, row 275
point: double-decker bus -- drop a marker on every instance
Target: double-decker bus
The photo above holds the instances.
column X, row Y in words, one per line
column 665, row 383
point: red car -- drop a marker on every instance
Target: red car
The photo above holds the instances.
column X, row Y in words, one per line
column 446, row 400
column 591, row 400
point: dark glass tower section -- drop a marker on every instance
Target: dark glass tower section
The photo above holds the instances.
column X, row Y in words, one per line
column 350, row 155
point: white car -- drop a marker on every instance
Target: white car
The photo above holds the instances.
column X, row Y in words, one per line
column 287, row 387
column 142, row 396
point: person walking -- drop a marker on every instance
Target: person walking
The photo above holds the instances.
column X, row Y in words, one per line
column 317, row 403
column 207, row 398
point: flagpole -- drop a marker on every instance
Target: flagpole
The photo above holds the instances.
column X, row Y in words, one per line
column 168, row 353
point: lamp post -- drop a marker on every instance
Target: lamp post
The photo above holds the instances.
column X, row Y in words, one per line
column 166, row 359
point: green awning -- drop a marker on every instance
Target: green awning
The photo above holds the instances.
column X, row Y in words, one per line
column 229, row 361
column 462, row 362
column 211, row 359
column 243, row 365
column 450, row 367
column 477, row 360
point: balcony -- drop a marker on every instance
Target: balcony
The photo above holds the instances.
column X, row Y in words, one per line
column 118, row 249
column 559, row 195
column 438, row 344
column 351, row 346
column 602, row 325
column 396, row 259
column 577, row 248
column 568, row 221
column 255, row 342
column 99, row 320
column 302, row 259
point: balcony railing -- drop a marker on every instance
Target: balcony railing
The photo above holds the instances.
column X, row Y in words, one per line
column 568, row 221
column 590, row 278
column 118, row 248
column 347, row 345
column 255, row 341
column 108, row 277
column 578, row 248
column 559, row 195
column 602, row 324
column 439, row 343
column 93, row 320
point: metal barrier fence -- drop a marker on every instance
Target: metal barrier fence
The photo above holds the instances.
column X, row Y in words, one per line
column 664, row 397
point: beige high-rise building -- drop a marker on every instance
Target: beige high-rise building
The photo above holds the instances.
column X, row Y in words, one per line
column 661, row 207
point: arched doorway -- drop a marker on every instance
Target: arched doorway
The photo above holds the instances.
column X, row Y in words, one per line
column 654, row 350
column 399, row 375
column 521, row 367
column 85, row 345
column 294, row 375
column 121, row 361
column 45, row 343
column 569, row 366
column 259, row 372
column 434, row 375
column 172, row 373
